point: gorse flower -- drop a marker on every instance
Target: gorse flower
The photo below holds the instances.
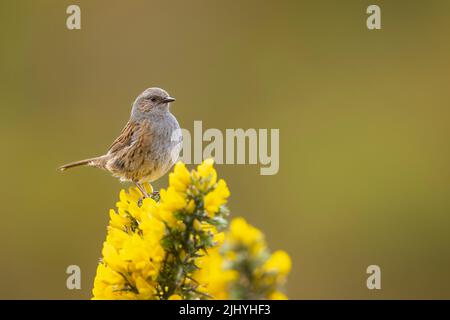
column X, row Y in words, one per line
column 191, row 228
column 133, row 253
column 172, row 246
column 243, row 268
column 151, row 247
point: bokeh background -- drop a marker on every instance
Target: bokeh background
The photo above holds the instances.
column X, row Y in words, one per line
column 363, row 116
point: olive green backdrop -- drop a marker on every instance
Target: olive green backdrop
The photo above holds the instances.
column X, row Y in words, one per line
column 363, row 116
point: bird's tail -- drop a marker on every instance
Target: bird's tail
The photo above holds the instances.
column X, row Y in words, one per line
column 94, row 162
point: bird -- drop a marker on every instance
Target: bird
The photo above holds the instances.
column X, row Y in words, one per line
column 148, row 146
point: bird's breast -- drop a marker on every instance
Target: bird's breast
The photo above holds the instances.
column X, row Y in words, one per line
column 165, row 142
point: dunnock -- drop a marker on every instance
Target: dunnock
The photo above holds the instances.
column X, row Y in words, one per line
column 146, row 149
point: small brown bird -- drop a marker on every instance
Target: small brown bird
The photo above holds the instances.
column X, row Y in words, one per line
column 148, row 145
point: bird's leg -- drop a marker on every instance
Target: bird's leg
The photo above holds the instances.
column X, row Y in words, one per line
column 142, row 189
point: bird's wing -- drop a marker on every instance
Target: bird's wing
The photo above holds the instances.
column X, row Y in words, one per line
column 143, row 136
column 125, row 138
column 129, row 147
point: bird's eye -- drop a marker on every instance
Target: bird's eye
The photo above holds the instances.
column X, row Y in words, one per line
column 153, row 99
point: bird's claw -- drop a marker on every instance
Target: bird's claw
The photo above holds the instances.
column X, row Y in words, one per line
column 155, row 196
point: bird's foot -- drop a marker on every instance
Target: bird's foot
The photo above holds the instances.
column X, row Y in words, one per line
column 155, row 196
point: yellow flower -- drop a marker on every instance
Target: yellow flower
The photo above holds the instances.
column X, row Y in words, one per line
column 132, row 196
column 191, row 206
column 244, row 246
column 180, row 178
column 116, row 237
column 230, row 255
column 118, row 221
column 279, row 262
column 251, row 237
column 151, row 247
column 207, row 172
column 147, row 186
column 219, row 238
column 213, row 278
column 216, row 198
column 197, row 225
column 133, row 253
column 150, row 221
column 277, row 295
column 107, row 282
column 181, row 226
column 171, row 200
column 146, row 291
column 112, row 258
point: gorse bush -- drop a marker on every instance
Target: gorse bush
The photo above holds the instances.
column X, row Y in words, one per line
column 242, row 267
column 176, row 245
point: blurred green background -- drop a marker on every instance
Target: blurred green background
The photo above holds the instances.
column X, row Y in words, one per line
column 363, row 116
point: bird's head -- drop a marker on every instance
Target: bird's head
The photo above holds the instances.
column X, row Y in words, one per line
column 152, row 100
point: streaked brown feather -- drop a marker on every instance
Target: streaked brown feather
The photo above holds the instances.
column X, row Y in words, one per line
column 127, row 152
column 125, row 138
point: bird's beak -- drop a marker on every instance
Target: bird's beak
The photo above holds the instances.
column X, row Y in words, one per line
column 168, row 99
